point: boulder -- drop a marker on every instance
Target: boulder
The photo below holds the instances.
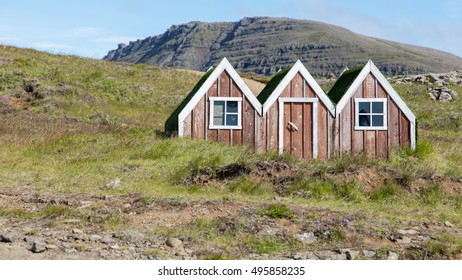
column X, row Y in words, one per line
column 38, row 247
column 173, row 242
column 306, row 237
column 392, row 256
column 7, row 237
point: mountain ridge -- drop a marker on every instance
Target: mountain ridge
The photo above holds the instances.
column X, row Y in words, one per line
column 264, row 45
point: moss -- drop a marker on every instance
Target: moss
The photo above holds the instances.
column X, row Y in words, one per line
column 171, row 124
column 343, row 84
column 271, row 86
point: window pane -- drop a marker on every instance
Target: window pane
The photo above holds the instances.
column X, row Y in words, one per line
column 231, row 119
column 218, row 120
column 231, row 107
column 364, row 121
column 377, row 120
column 364, row 107
column 218, row 108
column 377, row 107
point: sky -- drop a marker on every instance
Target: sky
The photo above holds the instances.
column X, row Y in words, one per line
column 90, row 28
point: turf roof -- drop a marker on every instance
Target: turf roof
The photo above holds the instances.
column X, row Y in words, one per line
column 172, row 122
column 343, row 84
column 271, row 85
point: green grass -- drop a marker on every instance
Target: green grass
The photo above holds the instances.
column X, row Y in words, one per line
column 277, row 211
column 56, row 146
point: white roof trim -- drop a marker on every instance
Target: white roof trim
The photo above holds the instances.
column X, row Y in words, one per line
column 299, row 67
column 222, row 66
column 371, row 68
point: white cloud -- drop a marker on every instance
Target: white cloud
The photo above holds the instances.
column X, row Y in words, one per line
column 88, row 31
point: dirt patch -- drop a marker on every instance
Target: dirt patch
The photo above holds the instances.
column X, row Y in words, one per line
column 173, row 216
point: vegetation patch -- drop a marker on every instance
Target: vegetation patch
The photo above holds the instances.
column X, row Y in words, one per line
column 278, row 211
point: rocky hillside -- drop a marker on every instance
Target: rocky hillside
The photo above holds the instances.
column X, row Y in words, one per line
column 264, row 45
column 438, row 85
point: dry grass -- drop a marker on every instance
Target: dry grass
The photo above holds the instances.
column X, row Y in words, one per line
column 92, row 123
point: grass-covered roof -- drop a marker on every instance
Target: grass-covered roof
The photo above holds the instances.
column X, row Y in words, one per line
column 172, row 122
column 343, row 84
column 271, row 85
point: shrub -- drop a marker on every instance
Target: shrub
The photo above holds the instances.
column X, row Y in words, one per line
column 437, row 249
column 53, row 211
column 278, row 211
column 349, row 191
column 431, row 194
column 247, row 186
column 114, row 220
column 312, row 188
column 385, row 193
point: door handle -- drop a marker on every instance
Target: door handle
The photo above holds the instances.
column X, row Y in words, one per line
column 293, row 126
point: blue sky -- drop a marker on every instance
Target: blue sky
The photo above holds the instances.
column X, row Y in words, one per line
column 92, row 28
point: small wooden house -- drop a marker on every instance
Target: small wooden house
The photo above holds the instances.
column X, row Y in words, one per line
column 219, row 108
column 362, row 113
column 370, row 116
column 297, row 114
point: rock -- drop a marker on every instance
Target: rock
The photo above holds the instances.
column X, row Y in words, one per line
column 331, row 255
column 267, row 230
column 443, row 94
column 77, row 231
column 95, row 237
column 107, row 240
column 114, row 184
column 77, row 236
column 448, row 224
column 367, row 253
column 51, row 247
column 103, row 253
column 392, row 256
column 70, row 250
column 306, row 237
column 350, row 254
column 408, row 232
column 135, row 235
column 403, row 240
column 7, row 237
column 38, row 247
column 32, row 239
column 173, row 242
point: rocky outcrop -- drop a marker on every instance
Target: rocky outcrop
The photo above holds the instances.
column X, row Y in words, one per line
column 437, row 84
column 434, row 80
column 265, row 45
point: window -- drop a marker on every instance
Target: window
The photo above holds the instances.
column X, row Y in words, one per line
column 225, row 112
column 371, row 113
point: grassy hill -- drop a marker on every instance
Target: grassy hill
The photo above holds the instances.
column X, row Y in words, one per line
column 265, row 45
column 81, row 141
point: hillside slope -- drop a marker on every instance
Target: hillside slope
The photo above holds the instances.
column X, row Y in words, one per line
column 264, row 45
column 86, row 173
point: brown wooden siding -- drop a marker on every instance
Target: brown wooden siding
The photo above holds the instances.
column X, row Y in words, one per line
column 335, row 135
column 371, row 142
column 196, row 125
column 323, row 130
column 307, row 131
column 299, row 144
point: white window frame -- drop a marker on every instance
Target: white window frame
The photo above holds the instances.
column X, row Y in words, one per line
column 239, row 114
column 384, row 114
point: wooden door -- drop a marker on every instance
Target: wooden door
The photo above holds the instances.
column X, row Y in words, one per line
column 298, row 127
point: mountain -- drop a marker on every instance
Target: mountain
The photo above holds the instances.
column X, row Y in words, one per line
column 264, row 45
